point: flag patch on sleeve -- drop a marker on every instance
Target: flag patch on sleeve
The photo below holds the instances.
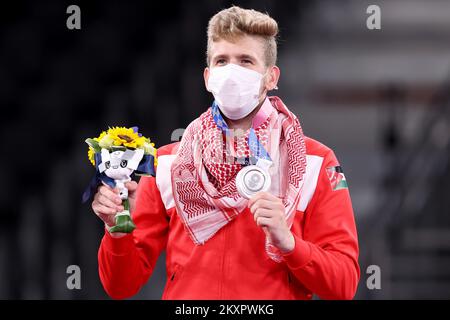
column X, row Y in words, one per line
column 337, row 178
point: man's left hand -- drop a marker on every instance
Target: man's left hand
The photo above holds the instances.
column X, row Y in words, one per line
column 268, row 213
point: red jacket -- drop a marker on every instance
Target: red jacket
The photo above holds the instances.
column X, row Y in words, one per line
column 233, row 264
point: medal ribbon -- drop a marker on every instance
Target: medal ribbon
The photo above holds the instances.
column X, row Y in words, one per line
column 255, row 146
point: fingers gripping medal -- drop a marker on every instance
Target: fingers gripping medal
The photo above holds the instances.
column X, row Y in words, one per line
column 253, row 179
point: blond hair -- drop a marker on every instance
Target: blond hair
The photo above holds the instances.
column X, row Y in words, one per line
column 234, row 22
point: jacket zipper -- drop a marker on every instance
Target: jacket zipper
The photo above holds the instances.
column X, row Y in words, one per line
column 171, row 280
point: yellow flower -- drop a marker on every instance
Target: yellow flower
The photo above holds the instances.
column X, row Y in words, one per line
column 140, row 142
column 120, row 136
column 124, row 137
column 91, row 155
column 100, row 136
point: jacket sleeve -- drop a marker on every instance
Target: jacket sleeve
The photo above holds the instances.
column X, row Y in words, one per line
column 325, row 257
column 126, row 263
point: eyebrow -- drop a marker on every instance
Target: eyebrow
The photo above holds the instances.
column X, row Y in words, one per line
column 246, row 56
column 241, row 56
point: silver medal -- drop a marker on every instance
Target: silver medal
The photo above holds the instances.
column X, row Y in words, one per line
column 252, row 179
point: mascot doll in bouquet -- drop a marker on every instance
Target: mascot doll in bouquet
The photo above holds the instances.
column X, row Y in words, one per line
column 117, row 155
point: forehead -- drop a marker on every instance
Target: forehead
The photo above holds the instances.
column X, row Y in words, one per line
column 244, row 45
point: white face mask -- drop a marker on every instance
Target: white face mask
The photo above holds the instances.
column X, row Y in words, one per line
column 236, row 89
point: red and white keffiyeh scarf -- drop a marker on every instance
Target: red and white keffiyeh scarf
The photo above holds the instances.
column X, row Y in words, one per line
column 204, row 170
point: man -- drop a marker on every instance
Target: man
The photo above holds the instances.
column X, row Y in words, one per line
column 294, row 238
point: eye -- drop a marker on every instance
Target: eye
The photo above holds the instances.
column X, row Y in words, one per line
column 246, row 61
column 123, row 163
column 220, row 62
column 107, row 164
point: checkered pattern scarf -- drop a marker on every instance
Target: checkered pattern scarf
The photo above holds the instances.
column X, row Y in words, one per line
column 205, row 169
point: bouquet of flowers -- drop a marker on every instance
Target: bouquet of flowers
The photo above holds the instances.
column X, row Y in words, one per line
column 118, row 154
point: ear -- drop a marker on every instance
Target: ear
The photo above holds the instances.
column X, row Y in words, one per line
column 273, row 77
column 206, row 77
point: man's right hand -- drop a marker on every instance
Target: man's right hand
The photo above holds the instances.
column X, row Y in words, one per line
column 107, row 202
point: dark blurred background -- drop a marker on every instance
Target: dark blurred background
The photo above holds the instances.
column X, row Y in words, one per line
column 379, row 98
